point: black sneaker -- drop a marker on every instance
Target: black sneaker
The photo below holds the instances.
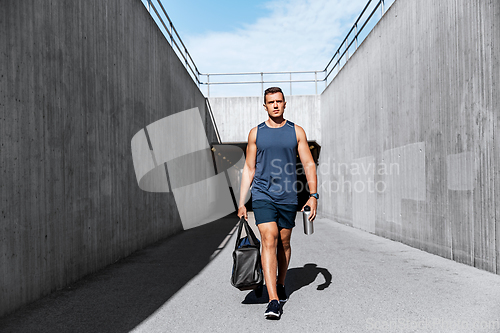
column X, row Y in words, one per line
column 281, row 293
column 273, row 310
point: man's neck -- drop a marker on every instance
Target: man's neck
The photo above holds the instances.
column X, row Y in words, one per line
column 276, row 122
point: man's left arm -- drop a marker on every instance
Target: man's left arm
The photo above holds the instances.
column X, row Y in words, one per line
column 309, row 168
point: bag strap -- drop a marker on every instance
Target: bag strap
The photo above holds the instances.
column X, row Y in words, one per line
column 251, row 235
column 238, row 234
column 254, row 241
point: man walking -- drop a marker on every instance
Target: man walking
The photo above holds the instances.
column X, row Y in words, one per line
column 270, row 168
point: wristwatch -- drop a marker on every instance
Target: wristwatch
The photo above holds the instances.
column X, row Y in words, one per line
column 314, row 195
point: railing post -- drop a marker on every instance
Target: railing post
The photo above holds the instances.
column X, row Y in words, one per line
column 171, row 34
column 346, row 49
column 382, row 1
column 149, row 6
column 356, row 30
column 208, row 85
column 338, row 62
column 290, row 83
column 316, row 82
column 261, row 83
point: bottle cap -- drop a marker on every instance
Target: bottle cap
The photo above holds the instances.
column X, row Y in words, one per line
column 307, row 209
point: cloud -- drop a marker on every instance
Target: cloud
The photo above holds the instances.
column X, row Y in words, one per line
column 291, row 35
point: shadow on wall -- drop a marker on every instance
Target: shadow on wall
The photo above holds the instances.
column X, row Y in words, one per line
column 173, row 155
column 121, row 296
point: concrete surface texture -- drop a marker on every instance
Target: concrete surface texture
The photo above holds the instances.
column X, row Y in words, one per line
column 410, row 151
column 340, row 279
column 413, row 147
column 236, row 116
column 78, row 81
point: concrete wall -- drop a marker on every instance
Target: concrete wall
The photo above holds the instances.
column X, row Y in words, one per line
column 236, row 116
column 78, row 79
column 415, row 115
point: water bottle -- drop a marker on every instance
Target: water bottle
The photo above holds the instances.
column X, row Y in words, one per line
column 308, row 225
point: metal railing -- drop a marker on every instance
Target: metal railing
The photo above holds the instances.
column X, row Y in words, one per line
column 343, row 50
column 173, row 37
column 262, row 80
column 352, row 40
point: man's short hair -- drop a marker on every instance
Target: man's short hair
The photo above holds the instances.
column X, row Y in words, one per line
column 273, row 90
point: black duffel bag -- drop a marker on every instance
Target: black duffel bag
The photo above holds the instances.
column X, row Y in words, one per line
column 247, row 268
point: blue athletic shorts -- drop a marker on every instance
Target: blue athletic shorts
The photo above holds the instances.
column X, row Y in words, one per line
column 268, row 211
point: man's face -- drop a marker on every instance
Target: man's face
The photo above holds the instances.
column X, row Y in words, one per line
column 275, row 104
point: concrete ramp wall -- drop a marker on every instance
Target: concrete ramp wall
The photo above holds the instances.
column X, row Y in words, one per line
column 236, row 116
column 78, row 79
column 412, row 150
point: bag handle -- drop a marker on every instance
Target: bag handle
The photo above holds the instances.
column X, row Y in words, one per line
column 238, row 235
column 254, row 241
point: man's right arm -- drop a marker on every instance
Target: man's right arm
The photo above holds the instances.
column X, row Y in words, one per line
column 248, row 171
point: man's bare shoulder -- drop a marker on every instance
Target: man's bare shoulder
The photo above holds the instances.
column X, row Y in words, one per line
column 299, row 131
column 252, row 135
column 299, row 128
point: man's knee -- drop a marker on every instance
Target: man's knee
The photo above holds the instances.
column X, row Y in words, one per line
column 284, row 238
column 268, row 235
column 284, row 245
column 269, row 241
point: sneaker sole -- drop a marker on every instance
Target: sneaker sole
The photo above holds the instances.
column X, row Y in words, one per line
column 272, row 315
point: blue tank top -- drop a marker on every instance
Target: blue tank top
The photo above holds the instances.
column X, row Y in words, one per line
column 275, row 176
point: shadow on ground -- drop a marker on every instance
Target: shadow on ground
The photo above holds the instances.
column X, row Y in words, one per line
column 122, row 295
column 296, row 278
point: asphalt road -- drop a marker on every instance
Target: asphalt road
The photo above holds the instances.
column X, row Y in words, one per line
column 340, row 280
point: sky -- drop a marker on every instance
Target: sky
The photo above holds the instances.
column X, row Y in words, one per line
column 262, row 35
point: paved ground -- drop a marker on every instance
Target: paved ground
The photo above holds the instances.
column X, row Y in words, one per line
column 340, row 280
